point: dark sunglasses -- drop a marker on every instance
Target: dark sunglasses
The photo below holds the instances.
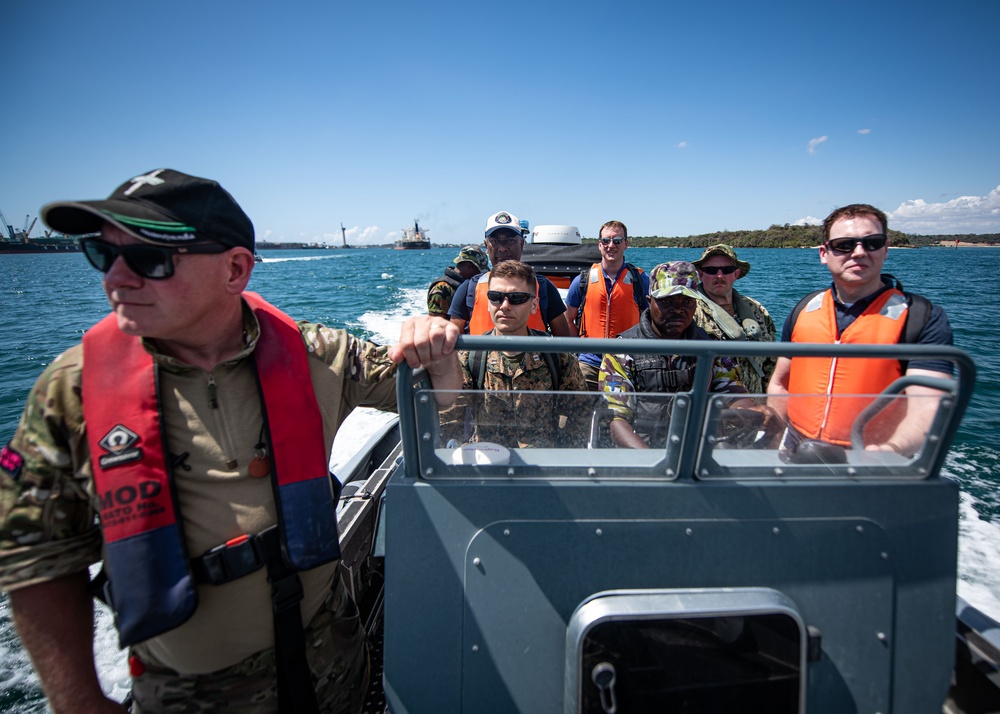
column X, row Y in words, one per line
column 716, row 269
column 148, row 261
column 496, row 297
column 845, row 246
column 607, row 241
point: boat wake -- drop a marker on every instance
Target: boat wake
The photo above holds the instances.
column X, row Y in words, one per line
column 304, row 258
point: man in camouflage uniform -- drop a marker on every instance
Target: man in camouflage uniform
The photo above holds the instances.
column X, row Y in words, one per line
column 470, row 262
column 508, row 414
column 729, row 315
column 178, row 306
column 642, row 422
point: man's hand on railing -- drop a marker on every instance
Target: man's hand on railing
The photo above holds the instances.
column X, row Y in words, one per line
column 429, row 342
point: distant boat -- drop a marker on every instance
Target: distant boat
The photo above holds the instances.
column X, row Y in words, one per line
column 257, row 258
column 413, row 238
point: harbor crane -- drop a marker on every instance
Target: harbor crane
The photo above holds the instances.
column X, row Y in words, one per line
column 6, row 226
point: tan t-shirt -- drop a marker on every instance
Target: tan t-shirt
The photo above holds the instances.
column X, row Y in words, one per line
column 48, row 509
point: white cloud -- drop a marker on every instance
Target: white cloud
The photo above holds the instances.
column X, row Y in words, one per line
column 370, row 235
column 965, row 214
column 808, row 221
column 813, row 143
column 681, row 145
column 864, row 131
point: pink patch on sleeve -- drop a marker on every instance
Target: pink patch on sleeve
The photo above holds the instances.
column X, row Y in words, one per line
column 11, row 461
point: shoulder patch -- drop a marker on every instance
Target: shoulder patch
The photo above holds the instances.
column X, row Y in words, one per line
column 11, row 462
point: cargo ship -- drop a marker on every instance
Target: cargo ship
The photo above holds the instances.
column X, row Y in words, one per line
column 412, row 238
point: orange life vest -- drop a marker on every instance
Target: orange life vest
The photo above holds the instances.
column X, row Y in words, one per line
column 825, row 417
column 481, row 322
column 601, row 317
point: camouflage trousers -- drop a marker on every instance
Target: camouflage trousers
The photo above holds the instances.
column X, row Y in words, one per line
column 336, row 652
column 591, row 375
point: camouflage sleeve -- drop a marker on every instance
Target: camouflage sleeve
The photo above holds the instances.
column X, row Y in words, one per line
column 616, row 380
column 726, row 376
column 578, row 410
column 452, row 419
column 439, row 299
column 48, row 525
column 367, row 374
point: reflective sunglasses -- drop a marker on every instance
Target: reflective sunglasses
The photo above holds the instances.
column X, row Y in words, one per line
column 153, row 262
column 608, row 241
column 496, row 297
column 716, row 269
column 846, row 246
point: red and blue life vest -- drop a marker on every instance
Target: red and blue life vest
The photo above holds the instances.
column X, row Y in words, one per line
column 145, row 556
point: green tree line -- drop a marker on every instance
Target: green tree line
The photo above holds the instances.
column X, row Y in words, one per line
column 790, row 236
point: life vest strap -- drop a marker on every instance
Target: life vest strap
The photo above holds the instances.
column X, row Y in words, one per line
column 296, row 692
column 233, row 560
column 247, row 554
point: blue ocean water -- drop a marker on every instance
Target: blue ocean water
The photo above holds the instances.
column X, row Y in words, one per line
column 48, row 301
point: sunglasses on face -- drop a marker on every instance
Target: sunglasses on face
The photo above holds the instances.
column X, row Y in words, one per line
column 503, row 240
column 608, row 241
column 496, row 297
column 148, row 261
column 846, row 246
column 716, row 269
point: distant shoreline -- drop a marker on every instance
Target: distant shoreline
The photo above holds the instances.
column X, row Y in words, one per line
column 735, row 240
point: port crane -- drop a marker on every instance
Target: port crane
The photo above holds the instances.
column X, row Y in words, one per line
column 8, row 228
column 27, row 228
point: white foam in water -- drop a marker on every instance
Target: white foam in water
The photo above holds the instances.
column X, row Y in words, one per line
column 978, row 558
column 384, row 325
column 112, row 662
column 305, row 258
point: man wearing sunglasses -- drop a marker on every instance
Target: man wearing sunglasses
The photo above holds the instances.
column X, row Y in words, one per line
column 607, row 298
column 500, row 415
column 642, row 422
column 192, row 422
column 862, row 306
column 730, row 315
column 504, row 241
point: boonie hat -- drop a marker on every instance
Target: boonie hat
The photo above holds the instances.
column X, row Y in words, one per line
column 723, row 249
column 502, row 220
column 676, row 278
column 473, row 254
column 163, row 207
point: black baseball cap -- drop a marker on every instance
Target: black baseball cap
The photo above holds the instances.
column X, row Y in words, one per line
column 163, row 207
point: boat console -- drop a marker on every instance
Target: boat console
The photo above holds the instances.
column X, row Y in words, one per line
column 532, row 565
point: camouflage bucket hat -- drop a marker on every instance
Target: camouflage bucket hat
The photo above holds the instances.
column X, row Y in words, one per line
column 473, row 254
column 723, row 249
column 676, row 278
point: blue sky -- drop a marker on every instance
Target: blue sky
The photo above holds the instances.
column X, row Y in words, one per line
column 676, row 118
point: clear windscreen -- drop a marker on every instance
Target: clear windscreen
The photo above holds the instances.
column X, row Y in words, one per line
column 598, row 435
